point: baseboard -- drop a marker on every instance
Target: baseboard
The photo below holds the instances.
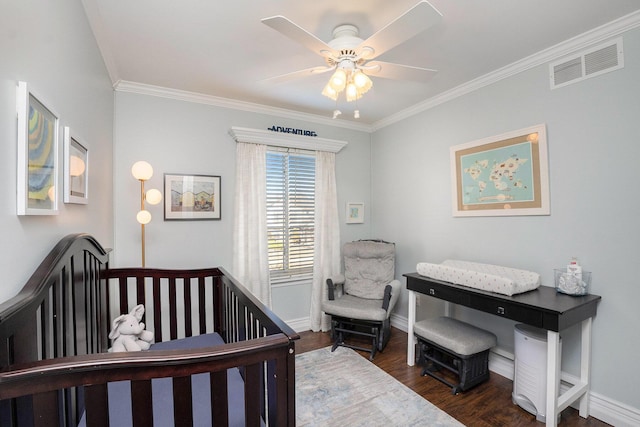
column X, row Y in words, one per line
column 615, row 413
column 300, row 325
column 399, row 322
column 501, row 362
column 600, row 407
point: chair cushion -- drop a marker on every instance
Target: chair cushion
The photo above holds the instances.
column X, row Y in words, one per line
column 355, row 308
column 369, row 266
column 454, row 335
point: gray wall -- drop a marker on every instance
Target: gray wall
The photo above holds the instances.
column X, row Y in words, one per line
column 190, row 138
column 594, row 146
column 49, row 45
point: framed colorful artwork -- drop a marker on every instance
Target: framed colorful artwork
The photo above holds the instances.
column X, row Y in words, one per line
column 37, row 180
column 191, row 197
column 502, row 175
column 355, row 213
column 76, row 169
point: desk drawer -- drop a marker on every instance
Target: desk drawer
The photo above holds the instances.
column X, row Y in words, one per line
column 508, row 310
column 446, row 293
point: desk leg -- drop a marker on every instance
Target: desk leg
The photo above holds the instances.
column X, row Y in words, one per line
column 553, row 377
column 585, row 366
column 411, row 339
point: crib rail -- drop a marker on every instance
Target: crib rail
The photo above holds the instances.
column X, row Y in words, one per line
column 48, row 379
column 54, row 338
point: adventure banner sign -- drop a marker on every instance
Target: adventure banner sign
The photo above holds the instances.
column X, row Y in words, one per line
column 292, row 130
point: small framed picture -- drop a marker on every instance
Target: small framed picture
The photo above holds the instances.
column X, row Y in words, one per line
column 355, row 213
column 76, row 169
column 191, row 197
column 38, row 128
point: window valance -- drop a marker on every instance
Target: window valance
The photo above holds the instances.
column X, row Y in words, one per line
column 277, row 139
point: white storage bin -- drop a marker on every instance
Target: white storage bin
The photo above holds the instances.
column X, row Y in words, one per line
column 530, row 370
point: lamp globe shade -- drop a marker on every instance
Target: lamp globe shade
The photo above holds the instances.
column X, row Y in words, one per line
column 153, row 196
column 144, row 217
column 142, row 170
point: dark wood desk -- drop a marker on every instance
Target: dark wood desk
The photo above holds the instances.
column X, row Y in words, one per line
column 543, row 308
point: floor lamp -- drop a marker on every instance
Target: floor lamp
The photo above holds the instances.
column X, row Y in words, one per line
column 142, row 171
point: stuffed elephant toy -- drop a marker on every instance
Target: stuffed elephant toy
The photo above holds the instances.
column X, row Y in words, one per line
column 128, row 333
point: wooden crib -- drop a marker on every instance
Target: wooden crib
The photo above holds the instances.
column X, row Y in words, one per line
column 55, row 368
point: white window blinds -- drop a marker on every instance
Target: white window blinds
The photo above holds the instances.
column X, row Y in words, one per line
column 290, row 212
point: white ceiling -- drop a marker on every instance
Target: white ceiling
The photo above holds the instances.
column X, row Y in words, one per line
column 221, row 48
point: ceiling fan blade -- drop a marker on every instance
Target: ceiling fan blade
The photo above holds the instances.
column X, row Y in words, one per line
column 412, row 22
column 387, row 70
column 297, row 74
column 296, row 33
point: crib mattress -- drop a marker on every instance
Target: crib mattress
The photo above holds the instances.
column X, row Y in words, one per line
column 487, row 277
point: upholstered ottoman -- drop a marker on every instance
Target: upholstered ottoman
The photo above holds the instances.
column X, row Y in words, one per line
column 456, row 346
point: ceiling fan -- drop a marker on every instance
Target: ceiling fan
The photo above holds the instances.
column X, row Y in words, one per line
column 353, row 59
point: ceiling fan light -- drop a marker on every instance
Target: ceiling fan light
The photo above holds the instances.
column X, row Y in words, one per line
column 329, row 92
column 338, row 80
column 352, row 92
column 362, row 81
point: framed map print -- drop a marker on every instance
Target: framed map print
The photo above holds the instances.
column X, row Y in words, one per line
column 502, row 175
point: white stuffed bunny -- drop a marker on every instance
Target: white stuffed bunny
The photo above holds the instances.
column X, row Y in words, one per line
column 128, row 333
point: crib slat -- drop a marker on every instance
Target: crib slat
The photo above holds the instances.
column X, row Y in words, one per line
column 218, row 301
column 182, row 404
column 202, row 305
column 124, row 297
column 141, row 401
column 58, row 319
column 187, row 307
column 157, row 312
column 252, row 399
column 140, row 292
column 173, row 316
column 219, row 398
column 45, row 409
column 96, row 405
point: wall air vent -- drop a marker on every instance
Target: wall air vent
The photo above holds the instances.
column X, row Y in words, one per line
column 588, row 63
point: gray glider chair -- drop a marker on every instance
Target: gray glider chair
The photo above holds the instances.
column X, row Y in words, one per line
column 360, row 300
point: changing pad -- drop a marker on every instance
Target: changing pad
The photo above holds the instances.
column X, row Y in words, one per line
column 493, row 278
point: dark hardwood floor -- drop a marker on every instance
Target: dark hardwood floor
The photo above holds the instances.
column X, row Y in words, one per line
column 487, row 405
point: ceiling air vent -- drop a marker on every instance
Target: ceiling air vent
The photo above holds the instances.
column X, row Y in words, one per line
column 588, row 63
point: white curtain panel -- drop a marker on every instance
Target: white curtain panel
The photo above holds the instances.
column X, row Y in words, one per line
column 326, row 258
column 250, row 245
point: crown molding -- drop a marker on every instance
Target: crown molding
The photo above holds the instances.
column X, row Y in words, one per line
column 199, row 98
column 594, row 36
column 259, row 136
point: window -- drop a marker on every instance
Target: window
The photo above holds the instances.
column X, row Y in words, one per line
column 290, row 212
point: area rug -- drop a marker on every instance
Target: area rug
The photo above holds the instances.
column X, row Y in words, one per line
column 345, row 389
